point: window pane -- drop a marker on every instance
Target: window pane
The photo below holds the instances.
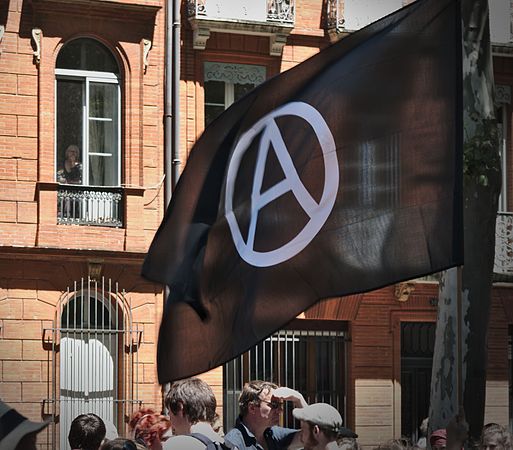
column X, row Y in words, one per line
column 86, row 54
column 211, row 112
column 103, row 136
column 70, row 101
column 102, row 100
column 240, row 90
column 214, row 92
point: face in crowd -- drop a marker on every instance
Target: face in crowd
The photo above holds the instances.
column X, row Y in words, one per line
column 270, row 408
column 307, row 436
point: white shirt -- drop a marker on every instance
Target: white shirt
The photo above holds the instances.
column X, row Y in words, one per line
column 186, row 442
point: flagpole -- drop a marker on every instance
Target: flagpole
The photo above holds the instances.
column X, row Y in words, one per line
column 459, row 338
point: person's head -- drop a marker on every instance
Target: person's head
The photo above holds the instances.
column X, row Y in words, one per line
column 119, row 444
column 87, row 432
column 257, row 407
column 190, row 401
column 438, row 439
column 320, row 424
column 396, row 444
column 495, row 437
column 348, row 443
column 16, row 431
column 151, row 429
column 72, row 153
column 137, row 415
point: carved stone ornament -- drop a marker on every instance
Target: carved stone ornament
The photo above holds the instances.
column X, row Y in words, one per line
column 37, row 35
column 95, row 270
column 146, row 50
column 403, row 291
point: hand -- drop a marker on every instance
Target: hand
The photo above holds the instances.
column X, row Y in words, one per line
column 285, row 393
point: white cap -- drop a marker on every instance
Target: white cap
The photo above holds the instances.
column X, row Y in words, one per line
column 325, row 416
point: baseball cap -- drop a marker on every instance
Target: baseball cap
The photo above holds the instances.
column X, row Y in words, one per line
column 14, row 427
column 325, row 416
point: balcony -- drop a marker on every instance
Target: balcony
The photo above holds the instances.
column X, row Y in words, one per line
column 85, row 205
column 344, row 16
column 503, row 266
column 273, row 18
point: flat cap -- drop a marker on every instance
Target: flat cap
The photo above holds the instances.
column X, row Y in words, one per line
column 325, row 416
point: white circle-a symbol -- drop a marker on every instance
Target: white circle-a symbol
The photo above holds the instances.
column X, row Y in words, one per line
column 317, row 212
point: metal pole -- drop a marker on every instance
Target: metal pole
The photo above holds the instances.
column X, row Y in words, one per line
column 176, row 93
column 168, row 98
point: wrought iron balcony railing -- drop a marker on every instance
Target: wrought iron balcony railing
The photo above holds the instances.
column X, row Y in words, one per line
column 334, row 16
column 281, row 11
column 86, row 205
column 273, row 18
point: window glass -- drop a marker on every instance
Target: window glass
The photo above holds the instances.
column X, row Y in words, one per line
column 226, row 83
column 86, row 54
column 103, row 155
column 88, row 101
column 70, row 103
column 240, row 90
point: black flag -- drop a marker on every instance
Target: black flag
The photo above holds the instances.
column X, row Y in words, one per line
column 339, row 176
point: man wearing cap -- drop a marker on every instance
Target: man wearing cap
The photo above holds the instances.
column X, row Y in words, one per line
column 16, row 431
column 321, row 425
column 261, row 405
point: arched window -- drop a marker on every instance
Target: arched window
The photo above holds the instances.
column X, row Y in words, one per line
column 88, row 115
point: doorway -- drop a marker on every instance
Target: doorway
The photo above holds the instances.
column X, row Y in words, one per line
column 417, row 345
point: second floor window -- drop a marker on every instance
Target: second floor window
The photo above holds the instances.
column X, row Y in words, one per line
column 88, row 115
column 226, row 83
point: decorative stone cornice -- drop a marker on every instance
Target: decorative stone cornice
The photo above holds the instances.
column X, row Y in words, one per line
column 234, row 73
column 278, row 33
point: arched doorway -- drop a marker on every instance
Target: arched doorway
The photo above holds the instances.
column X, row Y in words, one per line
column 96, row 338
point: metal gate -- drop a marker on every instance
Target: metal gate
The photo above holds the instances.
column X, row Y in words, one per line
column 310, row 361
column 93, row 344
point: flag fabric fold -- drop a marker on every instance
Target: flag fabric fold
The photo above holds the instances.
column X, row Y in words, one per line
column 339, row 176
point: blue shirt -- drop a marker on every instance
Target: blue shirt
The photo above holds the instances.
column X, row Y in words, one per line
column 276, row 438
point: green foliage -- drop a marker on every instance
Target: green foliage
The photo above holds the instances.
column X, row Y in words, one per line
column 481, row 152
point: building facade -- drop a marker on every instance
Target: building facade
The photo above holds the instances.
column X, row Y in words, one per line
column 82, row 109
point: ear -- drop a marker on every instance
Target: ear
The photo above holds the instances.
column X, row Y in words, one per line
column 316, row 430
column 252, row 408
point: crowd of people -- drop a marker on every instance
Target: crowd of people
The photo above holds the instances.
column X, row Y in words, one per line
column 193, row 424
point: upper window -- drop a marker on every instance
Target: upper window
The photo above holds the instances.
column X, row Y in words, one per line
column 227, row 83
column 88, row 115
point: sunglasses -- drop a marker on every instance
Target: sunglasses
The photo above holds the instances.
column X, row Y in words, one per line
column 274, row 404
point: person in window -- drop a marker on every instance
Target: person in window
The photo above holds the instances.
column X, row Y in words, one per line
column 71, row 171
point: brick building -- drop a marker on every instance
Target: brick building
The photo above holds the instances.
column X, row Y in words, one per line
column 82, row 87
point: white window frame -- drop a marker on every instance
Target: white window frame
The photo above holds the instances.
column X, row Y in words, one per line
column 90, row 77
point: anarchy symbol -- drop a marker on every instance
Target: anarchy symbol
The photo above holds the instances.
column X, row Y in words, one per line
column 317, row 212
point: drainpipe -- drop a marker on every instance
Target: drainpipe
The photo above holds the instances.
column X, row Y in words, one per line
column 171, row 115
column 172, row 99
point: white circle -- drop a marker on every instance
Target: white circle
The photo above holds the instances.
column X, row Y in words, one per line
column 325, row 206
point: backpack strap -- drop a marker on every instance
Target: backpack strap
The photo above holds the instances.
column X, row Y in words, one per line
column 209, row 444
